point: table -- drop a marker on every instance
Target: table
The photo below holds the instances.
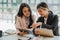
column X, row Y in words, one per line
column 16, row 37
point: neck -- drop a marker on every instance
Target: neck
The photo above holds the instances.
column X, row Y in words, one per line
column 46, row 16
column 26, row 17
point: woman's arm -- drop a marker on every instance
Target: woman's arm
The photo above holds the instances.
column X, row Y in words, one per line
column 20, row 24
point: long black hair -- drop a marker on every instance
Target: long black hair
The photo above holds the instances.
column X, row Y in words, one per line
column 20, row 12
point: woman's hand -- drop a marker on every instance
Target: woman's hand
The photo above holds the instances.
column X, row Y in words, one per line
column 22, row 33
column 34, row 25
column 25, row 28
column 37, row 31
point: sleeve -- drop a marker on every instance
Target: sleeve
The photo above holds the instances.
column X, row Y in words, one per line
column 54, row 25
column 18, row 23
column 39, row 20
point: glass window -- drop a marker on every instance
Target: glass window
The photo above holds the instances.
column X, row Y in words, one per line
column 5, row 11
column 58, row 1
column 27, row 1
column 43, row 0
column 4, row 5
column 0, row 0
column 49, row 1
column 55, row 1
column 54, row 9
column 37, row 1
column 0, row 5
column 4, row 0
column 32, row 1
column 58, row 8
column 9, row 1
column 14, row 1
column 9, row 5
column 0, row 10
column 14, row 7
column 24, row 1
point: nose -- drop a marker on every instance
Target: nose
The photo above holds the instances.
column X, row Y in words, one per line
column 28, row 13
column 41, row 13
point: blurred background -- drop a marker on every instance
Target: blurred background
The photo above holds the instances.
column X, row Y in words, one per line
column 9, row 9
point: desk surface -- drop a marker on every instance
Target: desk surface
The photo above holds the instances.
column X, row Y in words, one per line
column 16, row 37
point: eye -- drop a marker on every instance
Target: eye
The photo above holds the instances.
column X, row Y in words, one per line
column 40, row 10
column 25, row 11
column 44, row 9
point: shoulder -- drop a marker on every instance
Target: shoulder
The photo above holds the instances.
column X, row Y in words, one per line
column 52, row 15
column 55, row 16
column 17, row 17
column 39, row 18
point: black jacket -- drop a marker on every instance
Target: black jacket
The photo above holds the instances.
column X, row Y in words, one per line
column 52, row 23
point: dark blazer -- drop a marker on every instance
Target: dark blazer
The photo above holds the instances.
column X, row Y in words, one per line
column 52, row 23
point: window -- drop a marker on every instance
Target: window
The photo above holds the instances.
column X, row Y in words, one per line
column 4, row 5
column 37, row 1
column 49, row 1
column 9, row 1
column 14, row 1
column 9, row 5
column 4, row 0
column 55, row 1
column 0, row 1
column 0, row 5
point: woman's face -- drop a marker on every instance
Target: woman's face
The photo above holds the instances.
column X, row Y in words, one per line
column 43, row 12
column 26, row 12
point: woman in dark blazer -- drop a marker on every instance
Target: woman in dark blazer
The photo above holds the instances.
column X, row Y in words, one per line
column 47, row 20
